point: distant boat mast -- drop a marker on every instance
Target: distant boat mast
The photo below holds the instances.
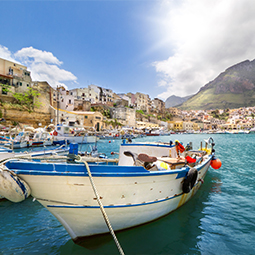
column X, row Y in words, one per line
column 57, row 105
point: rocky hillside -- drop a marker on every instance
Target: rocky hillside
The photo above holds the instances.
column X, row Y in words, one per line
column 174, row 100
column 233, row 88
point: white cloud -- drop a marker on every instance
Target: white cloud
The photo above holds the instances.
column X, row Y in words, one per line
column 6, row 54
column 44, row 66
column 208, row 37
column 30, row 54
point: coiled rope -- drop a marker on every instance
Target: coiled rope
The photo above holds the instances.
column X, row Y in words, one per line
column 102, row 209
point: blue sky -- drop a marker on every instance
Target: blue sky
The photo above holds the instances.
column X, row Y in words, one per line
column 157, row 47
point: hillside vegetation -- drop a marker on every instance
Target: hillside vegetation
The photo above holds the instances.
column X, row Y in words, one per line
column 233, row 88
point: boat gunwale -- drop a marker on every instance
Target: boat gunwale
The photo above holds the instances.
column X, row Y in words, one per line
column 100, row 170
column 152, row 144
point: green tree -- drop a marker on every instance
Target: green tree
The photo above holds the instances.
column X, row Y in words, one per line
column 106, row 113
column 140, row 111
column 5, row 88
column 28, row 99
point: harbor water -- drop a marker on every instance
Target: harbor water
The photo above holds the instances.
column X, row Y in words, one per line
column 219, row 219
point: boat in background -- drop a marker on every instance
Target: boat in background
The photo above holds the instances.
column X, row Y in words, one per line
column 6, row 153
column 71, row 134
column 21, row 140
column 239, row 131
column 252, row 130
column 148, row 181
column 41, row 138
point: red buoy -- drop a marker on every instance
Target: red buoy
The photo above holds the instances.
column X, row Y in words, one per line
column 109, row 141
column 215, row 163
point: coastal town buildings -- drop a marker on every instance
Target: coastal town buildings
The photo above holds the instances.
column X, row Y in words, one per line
column 136, row 110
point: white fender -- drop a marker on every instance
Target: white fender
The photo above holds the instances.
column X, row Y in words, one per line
column 12, row 187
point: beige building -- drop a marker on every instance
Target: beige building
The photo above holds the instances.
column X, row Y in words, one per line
column 148, row 125
column 196, row 126
column 142, row 102
column 187, row 125
column 93, row 119
column 85, row 119
column 124, row 115
column 15, row 75
column 173, row 111
column 158, row 105
column 81, row 105
column 170, row 125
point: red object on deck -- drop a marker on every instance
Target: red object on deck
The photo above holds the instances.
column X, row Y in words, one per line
column 190, row 159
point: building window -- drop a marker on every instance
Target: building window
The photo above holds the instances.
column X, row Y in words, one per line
column 27, row 85
column 85, row 116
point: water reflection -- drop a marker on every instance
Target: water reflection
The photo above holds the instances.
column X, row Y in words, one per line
column 217, row 183
column 176, row 233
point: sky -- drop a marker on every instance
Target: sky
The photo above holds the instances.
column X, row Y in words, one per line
column 156, row 47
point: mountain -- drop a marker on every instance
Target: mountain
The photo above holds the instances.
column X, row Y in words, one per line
column 233, row 88
column 174, row 100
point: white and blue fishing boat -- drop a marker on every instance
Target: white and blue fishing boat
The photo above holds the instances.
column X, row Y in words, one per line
column 72, row 134
column 41, row 138
column 148, row 181
column 19, row 141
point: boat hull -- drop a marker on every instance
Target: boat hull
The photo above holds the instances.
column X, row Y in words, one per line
column 17, row 145
column 76, row 139
column 134, row 200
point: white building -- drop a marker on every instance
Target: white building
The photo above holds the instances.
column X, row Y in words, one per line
column 65, row 99
column 86, row 94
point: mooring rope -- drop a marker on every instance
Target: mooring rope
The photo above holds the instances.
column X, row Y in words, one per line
column 102, row 209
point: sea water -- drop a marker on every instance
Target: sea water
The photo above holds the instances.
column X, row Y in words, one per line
column 219, row 219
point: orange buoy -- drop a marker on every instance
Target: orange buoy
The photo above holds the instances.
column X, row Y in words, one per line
column 215, row 163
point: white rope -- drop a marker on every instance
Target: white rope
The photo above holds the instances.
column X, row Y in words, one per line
column 102, row 210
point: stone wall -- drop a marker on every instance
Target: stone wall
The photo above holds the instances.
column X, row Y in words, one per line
column 24, row 117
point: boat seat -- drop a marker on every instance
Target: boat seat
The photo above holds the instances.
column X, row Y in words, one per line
column 147, row 161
